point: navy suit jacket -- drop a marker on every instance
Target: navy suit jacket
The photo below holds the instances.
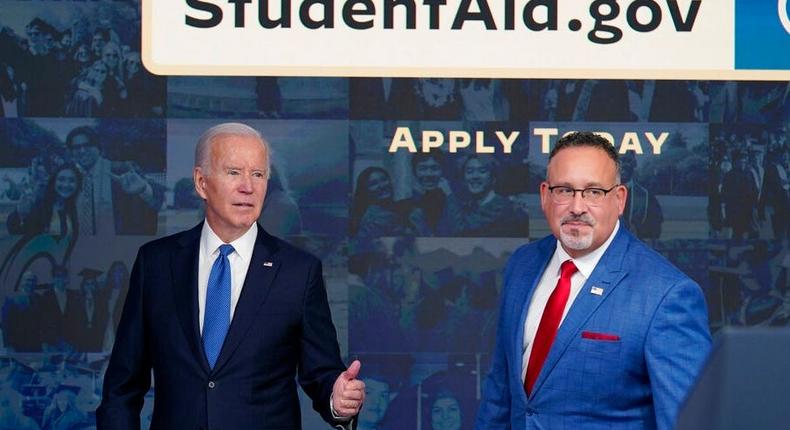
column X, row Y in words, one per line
column 281, row 325
column 622, row 359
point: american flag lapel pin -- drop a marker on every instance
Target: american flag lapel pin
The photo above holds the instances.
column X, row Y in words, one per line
column 268, row 263
column 598, row 291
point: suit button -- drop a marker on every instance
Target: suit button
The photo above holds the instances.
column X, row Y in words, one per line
column 530, row 412
column 211, row 384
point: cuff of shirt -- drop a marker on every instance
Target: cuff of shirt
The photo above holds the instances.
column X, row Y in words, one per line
column 346, row 420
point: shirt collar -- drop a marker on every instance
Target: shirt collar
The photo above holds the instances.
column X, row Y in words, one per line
column 243, row 246
column 586, row 263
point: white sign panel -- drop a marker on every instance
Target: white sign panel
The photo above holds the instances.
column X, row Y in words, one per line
column 453, row 38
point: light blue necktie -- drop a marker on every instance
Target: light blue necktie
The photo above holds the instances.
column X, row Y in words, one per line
column 216, row 318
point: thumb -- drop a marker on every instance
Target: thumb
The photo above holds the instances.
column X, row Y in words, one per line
column 352, row 371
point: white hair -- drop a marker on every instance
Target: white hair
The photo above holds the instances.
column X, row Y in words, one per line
column 203, row 148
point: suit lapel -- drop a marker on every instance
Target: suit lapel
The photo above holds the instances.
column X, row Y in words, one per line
column 257, row 285
column 528, row 279
column 607, row 275
column 184, row 269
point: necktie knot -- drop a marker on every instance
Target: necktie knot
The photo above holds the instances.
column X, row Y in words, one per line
column 567, row 269
column 225, row 250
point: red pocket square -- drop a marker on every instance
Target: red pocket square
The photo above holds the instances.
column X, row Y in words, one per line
column 599, row 336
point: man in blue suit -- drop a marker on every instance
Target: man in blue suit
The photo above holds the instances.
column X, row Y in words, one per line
column 226, row 315
column 596, row 330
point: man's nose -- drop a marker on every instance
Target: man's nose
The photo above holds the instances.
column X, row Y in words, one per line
column 577, row 204
column 245, row 184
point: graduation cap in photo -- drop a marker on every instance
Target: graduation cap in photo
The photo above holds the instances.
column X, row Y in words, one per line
column 69, row 388
column 33, row 390
column 759, row 149
column 19, row 366
column 53, row 363
column 6, row 361
column 98, row 365
column 20, row 375
column 75, row 357
column 83, row 372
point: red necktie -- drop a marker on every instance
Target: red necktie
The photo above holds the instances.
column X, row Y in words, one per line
column 549, row 323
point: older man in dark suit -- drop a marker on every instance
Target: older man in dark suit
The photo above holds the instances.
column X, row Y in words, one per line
column 227, row 315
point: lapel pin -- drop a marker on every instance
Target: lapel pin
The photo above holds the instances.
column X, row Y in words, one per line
column 598, row 291
column 268, row 263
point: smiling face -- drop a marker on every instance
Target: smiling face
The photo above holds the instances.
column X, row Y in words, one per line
column 66, row 183
column 477, row 176
column 82, row 54
column 436, row 92
column 111, row 55
column 581, row 227
column 84, row 150
column 132, row 62
column 234, row 184
column 28, row 282
column 379, row 186
column 428, row 173
column 377, row 399
column 97, row 44
column 446, row 414
column 98, row 74
column 38, row 39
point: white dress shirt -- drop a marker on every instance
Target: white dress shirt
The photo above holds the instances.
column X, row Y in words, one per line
column 239, row 263
column 548, row 281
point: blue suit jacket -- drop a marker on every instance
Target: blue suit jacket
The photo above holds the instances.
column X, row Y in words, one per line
column 636, row 382
column 281, row 323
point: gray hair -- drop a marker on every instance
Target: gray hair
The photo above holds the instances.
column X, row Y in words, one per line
column 203, row 148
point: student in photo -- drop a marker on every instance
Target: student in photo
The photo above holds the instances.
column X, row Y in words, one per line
column 374, row 212
column 478, row 210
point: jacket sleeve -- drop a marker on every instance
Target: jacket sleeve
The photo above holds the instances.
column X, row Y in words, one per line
column 495, row 407
column 128, row 375
column 319, row 362
column 494, row 411
column 677, row 346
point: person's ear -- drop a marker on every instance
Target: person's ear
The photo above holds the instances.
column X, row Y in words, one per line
column 199, row 179
column 621, row 193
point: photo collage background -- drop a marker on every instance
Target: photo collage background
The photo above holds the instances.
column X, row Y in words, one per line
column 413, row 244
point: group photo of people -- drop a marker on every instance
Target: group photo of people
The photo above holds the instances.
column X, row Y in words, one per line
column 578, row 100
column 257, row 97
column 750, row 186
column 81, row 60
column 72, row 177
column 68, row 186
column 418, row 391
column 50, row 391
column 464, row 194
column 417, row 294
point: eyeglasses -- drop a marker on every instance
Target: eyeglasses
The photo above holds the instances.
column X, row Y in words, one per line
column 592, row 195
